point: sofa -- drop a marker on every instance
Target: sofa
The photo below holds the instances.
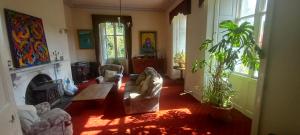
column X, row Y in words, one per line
column 41, row 120
column 110, row 73
column 142, row 92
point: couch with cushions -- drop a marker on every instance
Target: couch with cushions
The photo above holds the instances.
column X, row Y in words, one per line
column 110, row 73
column 41, row 120
column 142, row 92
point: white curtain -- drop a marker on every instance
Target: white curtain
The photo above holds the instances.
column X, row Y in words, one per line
column 178, row 39
column 179, row 33
column 102, row 40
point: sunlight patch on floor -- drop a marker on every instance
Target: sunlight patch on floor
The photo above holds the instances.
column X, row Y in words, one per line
column 99, row 121
column 94, row 132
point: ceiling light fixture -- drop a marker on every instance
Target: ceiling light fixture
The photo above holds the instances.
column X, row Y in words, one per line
column 119, row 18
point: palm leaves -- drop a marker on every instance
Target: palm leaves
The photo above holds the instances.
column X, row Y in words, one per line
column 238, row 40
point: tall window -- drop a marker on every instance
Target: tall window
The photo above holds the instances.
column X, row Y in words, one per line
column 114, row 37
column 253, row 11
column 179, row 34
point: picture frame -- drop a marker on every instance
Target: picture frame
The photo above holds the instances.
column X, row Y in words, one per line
column 85, row 39
column 27, row 39
column 148, row 42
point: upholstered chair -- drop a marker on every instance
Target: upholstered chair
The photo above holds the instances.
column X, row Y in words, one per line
column 110, row 73
column 41, row 120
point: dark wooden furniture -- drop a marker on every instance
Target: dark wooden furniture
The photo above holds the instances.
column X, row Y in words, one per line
column 94, row 92
column 82, row 71
column 141, row 62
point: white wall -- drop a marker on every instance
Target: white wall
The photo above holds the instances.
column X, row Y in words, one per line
column 142, row 21
column 196, row 34
column 281, row 93
column 52, row 14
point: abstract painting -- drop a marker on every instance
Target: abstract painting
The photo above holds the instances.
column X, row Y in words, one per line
column 27, row 39
column 148, row 42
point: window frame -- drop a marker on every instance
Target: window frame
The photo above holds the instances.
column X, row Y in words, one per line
column 115, row 35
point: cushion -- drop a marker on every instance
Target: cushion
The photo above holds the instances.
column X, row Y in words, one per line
column 145, row 84
column 110, row 75
column 140, row 78
column 28, row 116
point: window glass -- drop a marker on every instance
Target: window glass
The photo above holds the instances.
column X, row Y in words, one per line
column 109, row 29
column 110, row 47
column 121, row 46
column 120, row 29
column 247, row 7
column 250, row 20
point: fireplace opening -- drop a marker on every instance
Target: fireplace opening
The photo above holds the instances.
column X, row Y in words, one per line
column 43, row 89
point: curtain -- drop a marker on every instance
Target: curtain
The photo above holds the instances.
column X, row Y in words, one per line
column 102, row 55
column 179, row 33
column 184, row 8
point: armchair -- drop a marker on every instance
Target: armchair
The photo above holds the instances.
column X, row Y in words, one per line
column 110, row 69
column 41, row 120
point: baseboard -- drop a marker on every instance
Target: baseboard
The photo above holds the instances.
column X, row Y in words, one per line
column 246, row 112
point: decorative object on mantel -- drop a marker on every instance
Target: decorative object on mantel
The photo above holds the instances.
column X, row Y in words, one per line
column 201, row 3
column 85, row 39
column 55, row 53
column 148, row 43
column 27, row 39
column 9, row 64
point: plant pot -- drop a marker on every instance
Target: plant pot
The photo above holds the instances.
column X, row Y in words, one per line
column 220, row 113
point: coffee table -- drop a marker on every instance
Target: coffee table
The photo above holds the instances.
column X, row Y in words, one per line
column 94, row 92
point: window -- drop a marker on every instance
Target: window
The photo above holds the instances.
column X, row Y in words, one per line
column 253, row 11
column 114, row 41
column 179, row 34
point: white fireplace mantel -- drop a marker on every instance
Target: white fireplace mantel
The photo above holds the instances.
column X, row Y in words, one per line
column 34, row 68
column 21, row 77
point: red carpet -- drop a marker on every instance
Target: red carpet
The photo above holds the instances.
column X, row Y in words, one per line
column 179, row 114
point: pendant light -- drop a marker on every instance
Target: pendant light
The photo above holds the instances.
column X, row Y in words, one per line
column 119, row 18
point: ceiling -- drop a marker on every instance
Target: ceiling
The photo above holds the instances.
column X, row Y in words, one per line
column 155, row 5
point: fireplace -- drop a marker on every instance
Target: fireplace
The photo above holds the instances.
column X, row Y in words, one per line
column 43, row 89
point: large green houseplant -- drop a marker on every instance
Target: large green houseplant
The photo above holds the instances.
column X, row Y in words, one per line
column 237, row 46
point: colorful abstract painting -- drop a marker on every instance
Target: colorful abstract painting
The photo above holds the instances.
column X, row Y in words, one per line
column 27, row 39
column 148, row 42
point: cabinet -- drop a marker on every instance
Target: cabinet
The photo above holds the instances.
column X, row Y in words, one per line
column 140, row 63
column 82, row 71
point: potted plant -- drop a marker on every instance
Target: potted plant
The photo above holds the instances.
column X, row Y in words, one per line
column 179, row 59
column 237, row 46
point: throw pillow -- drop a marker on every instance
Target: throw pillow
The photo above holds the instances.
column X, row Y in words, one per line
column 145, row 85
column 140, row 78
column 109, row 75
column 28, row 116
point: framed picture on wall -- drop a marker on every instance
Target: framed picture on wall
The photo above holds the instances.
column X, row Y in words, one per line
column 27, row 39
column 85, row 39
column 148, row 42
